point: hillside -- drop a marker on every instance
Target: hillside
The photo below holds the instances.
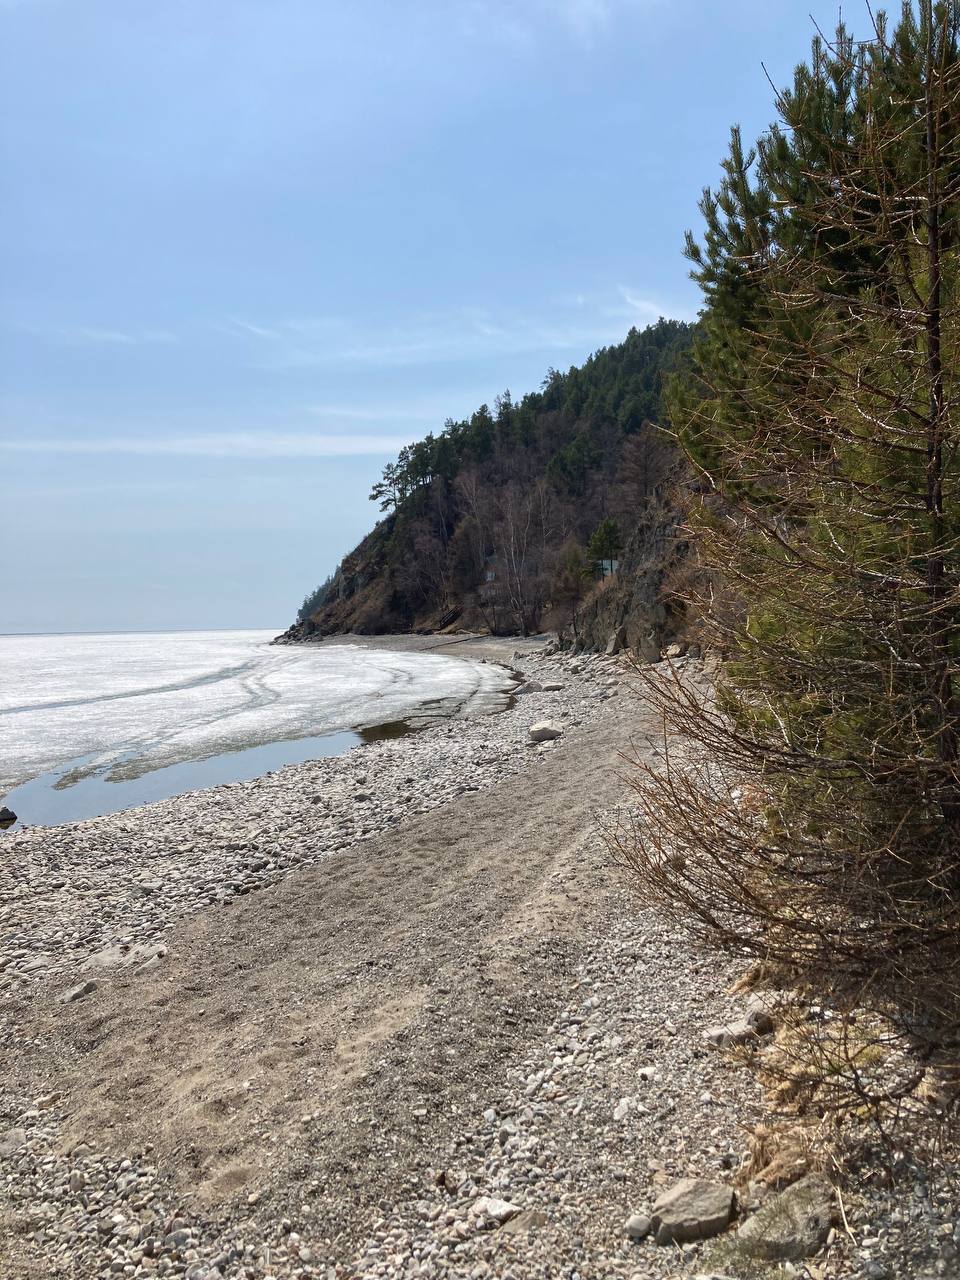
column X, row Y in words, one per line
column 498, row 522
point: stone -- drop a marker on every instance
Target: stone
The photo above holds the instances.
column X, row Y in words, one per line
column 730, row 1034
column 616, row 642
column 553, row 686
column 693, row 1209
column 7, row 818
column 674, row 650
column 760, row 1016
column 77, row 993
column 545, row 731
column 122, row 955
column 12, row 1140
column 528, row 1220
column 623, row 1109
column 638, row 1226
column 790, row 1226
column 531, row 686
column 500, row 1211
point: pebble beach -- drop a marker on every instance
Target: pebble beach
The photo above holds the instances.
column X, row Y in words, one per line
column 394, row 1013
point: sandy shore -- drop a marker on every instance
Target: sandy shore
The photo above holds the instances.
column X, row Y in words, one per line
column 327, row 1023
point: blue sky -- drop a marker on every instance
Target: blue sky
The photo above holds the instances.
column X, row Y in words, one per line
column 251, row 247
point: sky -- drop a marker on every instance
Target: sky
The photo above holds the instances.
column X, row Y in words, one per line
column 250, row 248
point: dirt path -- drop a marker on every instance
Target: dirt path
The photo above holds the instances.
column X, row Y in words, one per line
column 320, row 1038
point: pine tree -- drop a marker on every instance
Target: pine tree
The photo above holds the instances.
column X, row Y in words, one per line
column 822, row 834
column 606, row 540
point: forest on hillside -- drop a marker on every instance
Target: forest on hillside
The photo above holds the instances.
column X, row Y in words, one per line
column 504, row 520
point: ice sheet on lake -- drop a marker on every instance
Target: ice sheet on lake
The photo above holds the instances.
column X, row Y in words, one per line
column 131, row 703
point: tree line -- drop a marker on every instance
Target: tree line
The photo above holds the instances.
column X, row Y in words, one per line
column 484, row 519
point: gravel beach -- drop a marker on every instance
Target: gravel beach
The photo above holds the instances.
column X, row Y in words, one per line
column 395, row 1013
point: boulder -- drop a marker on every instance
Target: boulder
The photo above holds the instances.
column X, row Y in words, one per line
column 545, row 731
column 7, row 818
column 531, row 686
column 529, row 1220
column 675, row 651
column 790, row 1226
column 77, row 993
column 499, row 1211
column 731, row 1033
column 554, row 686
column 693, row 1209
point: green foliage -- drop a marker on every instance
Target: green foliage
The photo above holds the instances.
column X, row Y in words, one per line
column 478, row 513
column 570, row 420
column 821, row 416
column 606, row 541
column 315, row 599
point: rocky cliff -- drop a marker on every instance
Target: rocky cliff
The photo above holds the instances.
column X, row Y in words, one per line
column 502, row 521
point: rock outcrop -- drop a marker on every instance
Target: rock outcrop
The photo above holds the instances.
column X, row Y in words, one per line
column 630, row 610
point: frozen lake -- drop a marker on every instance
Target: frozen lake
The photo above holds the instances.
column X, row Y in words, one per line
column 96, row 723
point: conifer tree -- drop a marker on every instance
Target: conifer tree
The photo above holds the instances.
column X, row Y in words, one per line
column 818, row 826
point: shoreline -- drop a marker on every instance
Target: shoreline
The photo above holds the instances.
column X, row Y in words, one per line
column 73, row 792
column 315, row 1025
column 290, row 793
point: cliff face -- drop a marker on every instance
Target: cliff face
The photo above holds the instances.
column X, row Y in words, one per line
column 632, row 610
column 494, row 523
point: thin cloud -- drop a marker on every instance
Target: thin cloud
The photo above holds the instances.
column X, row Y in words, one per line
column 238, row 444
column 649, row 310
column 82, row 335
column 358, row 413
column 469, row 333
column 254, row 330
column 111, row 336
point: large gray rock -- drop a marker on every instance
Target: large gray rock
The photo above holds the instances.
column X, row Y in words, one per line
column 545, row 731
column 793, row 1225
column 693, row 1209
column 759, row 1021
column 499, row 1211
column 77, row 993
column 729, row 1034
column 529, row 1220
